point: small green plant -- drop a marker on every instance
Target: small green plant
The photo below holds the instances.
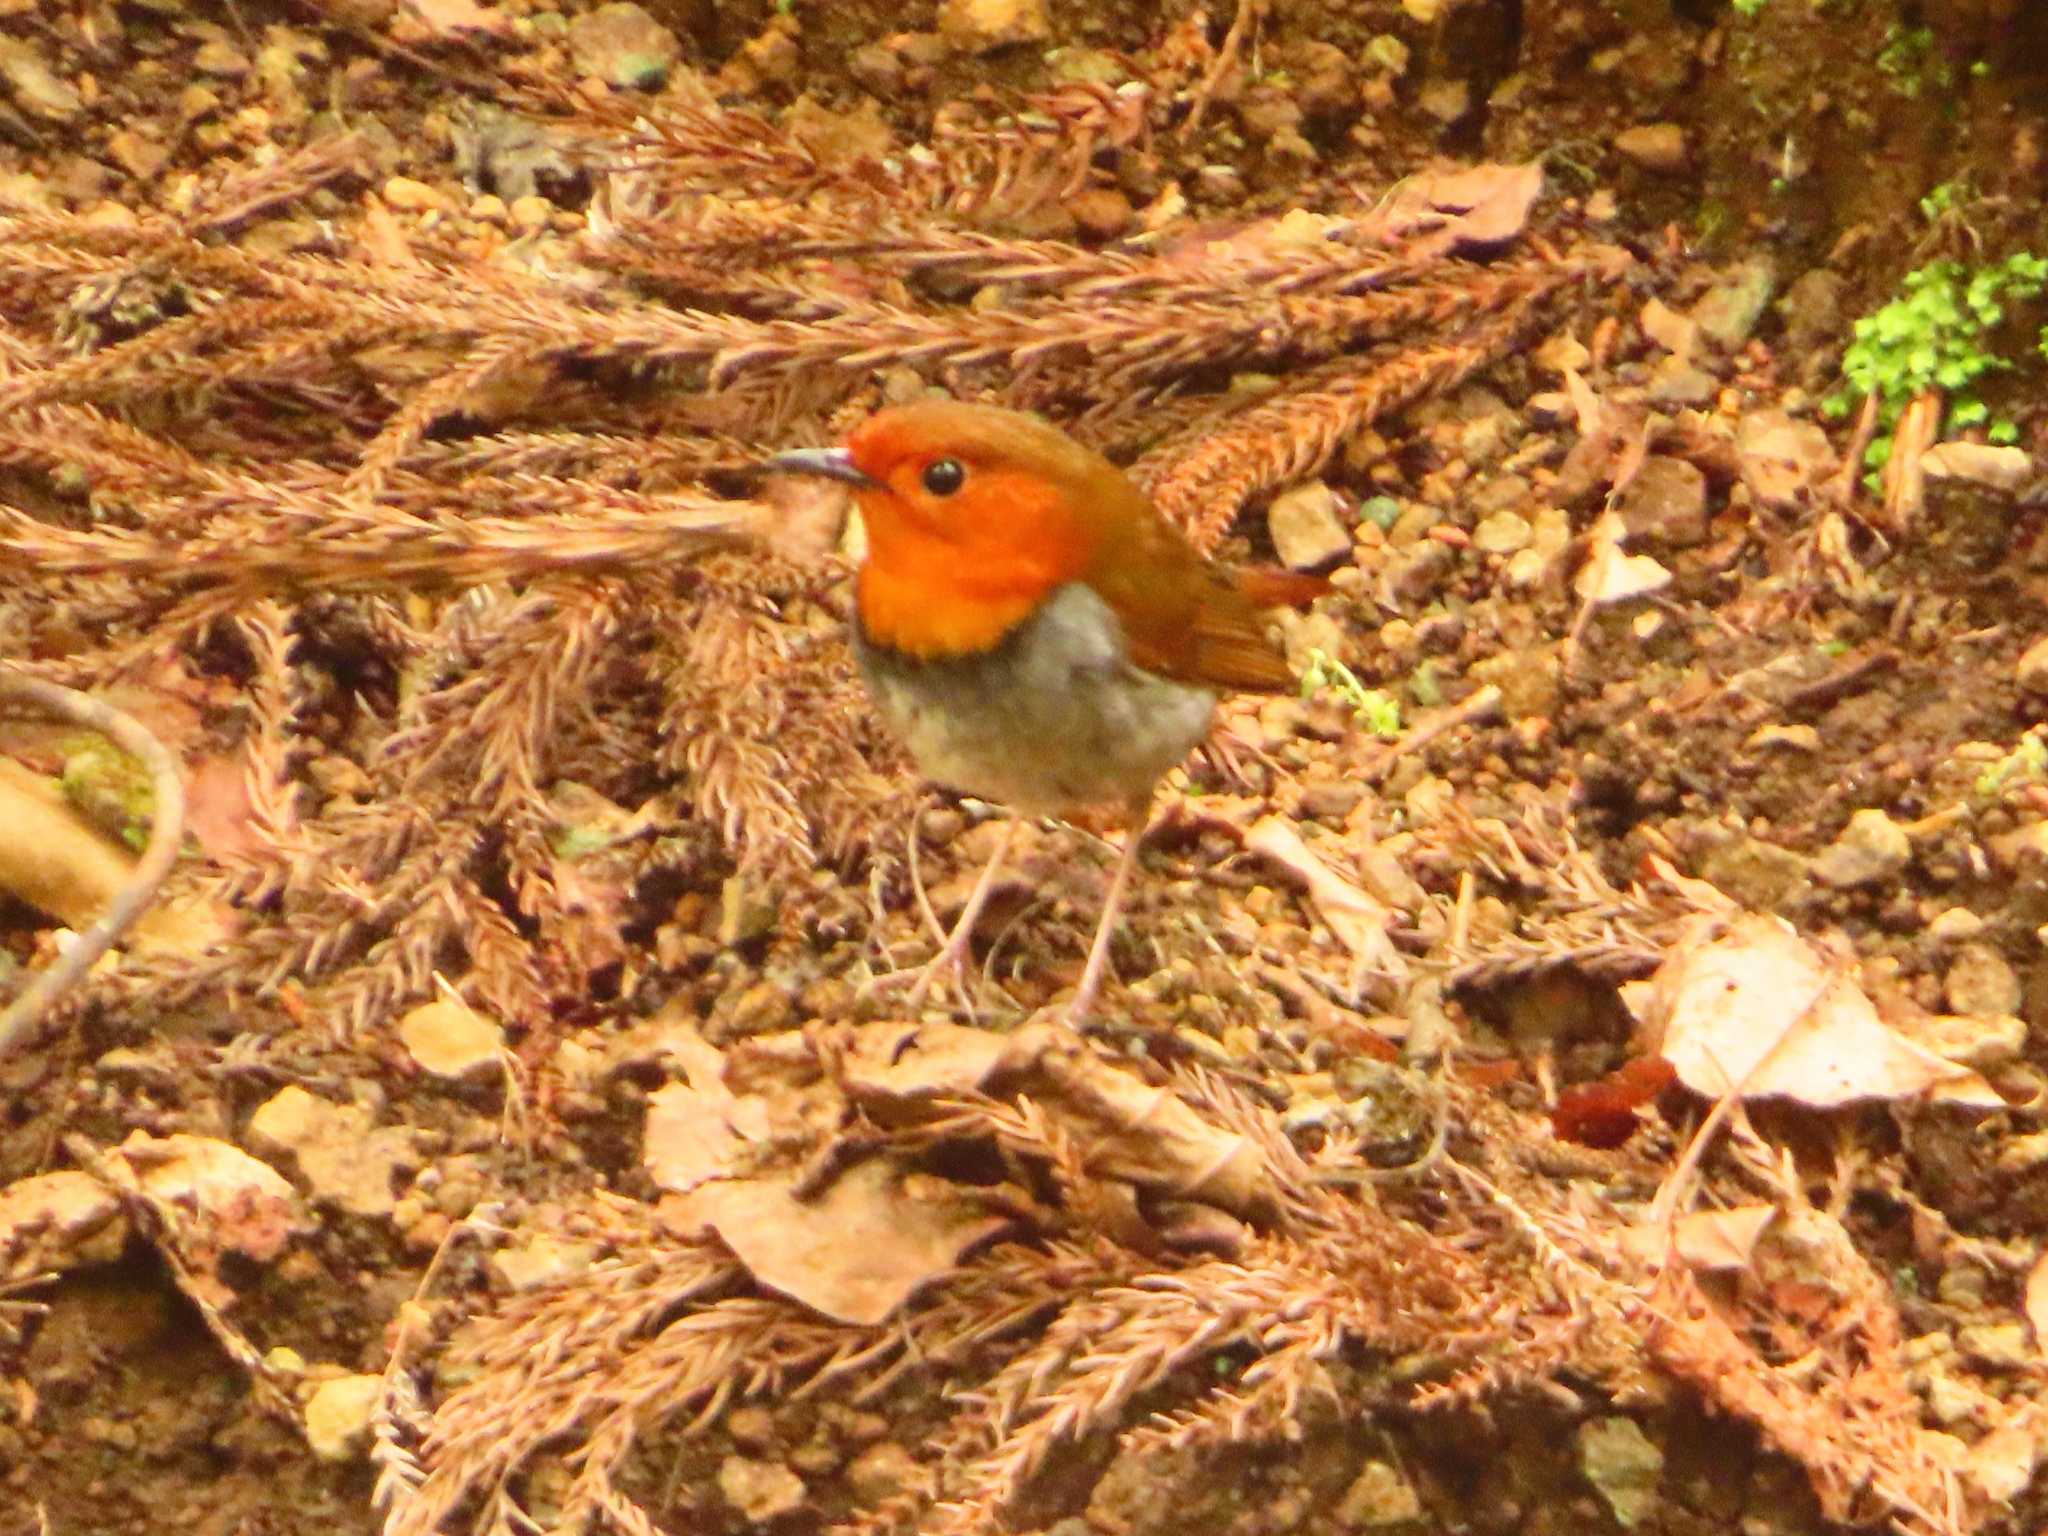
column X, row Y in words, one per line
column 1908, row 58
column 1750, row 8
column 1373, row 708
column 2026, row 763
column 1932, row 337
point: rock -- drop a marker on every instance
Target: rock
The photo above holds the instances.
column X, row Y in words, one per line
column 2002, row 469
column 338, row 1416
column 1980, row 983
column 531, row 212
column 221, row 58
column 2033, row 667
column 1756, row 873
column 980, row 26
column 839, row 138
column 1998, row 1346
column 1675, row 333
column 1955, row 926
column 880, row 1471
column 1307, row 531
column 1653, row 146
column 1666, row 503
column 1674, row 381
column 542, row 1260
column 346, row 1160
column 1812, row 311
column 53, row 1222
column 1872, row 849
column 1780, row 458
column 1728, row 313
column 36, row 88
column 1624, row 1466
column 1972, row 1041
column 624, row 46
column 412, row 196
column 451, row 1039
column 760, row 1490
column 139, row 156
column 235, row 1203
column 1503, row 533
column 1783, row 738
column 1448, row 101
column 1101, row 213
column 1379, row 1496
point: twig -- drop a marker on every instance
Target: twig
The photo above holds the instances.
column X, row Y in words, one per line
column 167, row 828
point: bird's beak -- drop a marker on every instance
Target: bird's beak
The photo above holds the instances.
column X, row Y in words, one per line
column 831, row 463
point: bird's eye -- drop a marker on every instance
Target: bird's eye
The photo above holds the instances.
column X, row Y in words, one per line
column 942, row 477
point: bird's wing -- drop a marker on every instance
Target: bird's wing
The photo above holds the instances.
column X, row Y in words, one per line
column 1193, row 621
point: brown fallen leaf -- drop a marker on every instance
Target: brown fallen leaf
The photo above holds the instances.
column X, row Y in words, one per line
column 1705, row 1240
column 1745, row 1006
column 857, row 1250
column 1449, row 211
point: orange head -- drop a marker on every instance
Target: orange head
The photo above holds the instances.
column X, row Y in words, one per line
column 975, row 514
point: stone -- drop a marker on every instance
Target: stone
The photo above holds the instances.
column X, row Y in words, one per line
column 1998, row 1346
column 1659, row 147
column 531, row 212
column 410, row 196
column 1101, row 213
column 347, row 1160
column 1307, row 531
column 880, row 1471
column 1624, row 1466
column 1972, row 1040
column 760, row 1490
column 1728, row 313
column 1378, row 1497
column 1755, row 872
column 138, row 155
column 37, row 88
column 1781, row 458
column 1502, row 533
column 451, row 1039
column 338, row 1416
column 1666, row 503
column 1954, row 926
column 1674, row 381
column 542, row 1260
column 1980, row 982
column 52, row 1222
column 222, row 58
column 981, row 26
column 2000, row 469
column 1872, row 849
column 1812, row 311
column 622, row 45
column 2032, row 671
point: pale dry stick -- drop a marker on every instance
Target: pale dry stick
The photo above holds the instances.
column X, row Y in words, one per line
column 1248, row 13
column 167, row 829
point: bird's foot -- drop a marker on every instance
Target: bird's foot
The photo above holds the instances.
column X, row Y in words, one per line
column 946, row 971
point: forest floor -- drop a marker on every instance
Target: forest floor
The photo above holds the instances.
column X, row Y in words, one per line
column 1572, row 1068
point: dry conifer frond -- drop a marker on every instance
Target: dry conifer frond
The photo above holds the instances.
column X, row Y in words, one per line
column 473, row 496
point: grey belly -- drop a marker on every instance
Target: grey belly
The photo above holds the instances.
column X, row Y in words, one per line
column 1054, row 720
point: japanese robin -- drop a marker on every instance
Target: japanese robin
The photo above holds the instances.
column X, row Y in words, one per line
column 1034, row 630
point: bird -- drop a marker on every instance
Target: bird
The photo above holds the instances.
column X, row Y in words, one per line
column 1035, row 632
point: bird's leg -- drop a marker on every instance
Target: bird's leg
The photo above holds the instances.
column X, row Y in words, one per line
column 952, row 956
column 1119, row 885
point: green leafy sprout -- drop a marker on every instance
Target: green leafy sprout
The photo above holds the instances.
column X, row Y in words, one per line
column 2026, row 763
column 1373, row 708
column 1932, row 337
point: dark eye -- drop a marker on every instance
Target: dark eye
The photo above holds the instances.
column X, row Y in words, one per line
column 942, row 477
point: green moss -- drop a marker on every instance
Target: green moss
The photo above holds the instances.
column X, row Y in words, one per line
column 1373, row 708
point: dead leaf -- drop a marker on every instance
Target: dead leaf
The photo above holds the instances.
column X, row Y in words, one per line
column 2037, row 1302
column 450, row 17
column 1705, row 1240
column 1359, row 922
column 1745, row 1006
column 859, row 1249
column 1611, row 574
column 1460, row 210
